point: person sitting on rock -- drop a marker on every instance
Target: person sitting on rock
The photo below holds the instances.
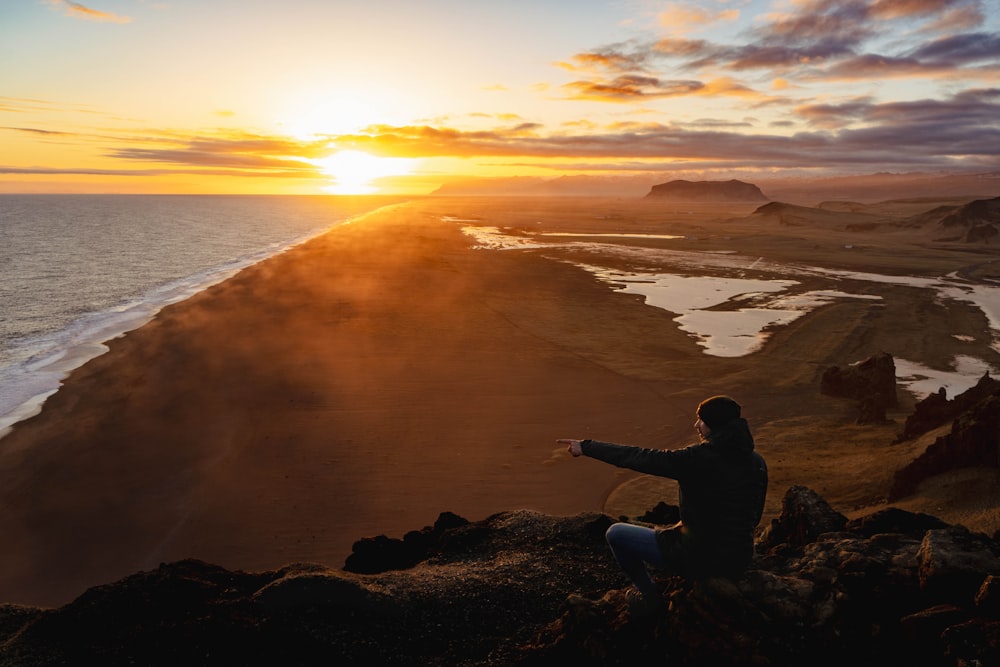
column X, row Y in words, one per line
column 723, row 482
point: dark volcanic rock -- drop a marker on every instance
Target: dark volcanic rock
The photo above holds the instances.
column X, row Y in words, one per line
column 918, row 596
column 381, row 553
column 895, row 520
column 533, row 589
column 662, row 514
column 805, row 515
column 707, row 191
column 871, row 382
column 974, row 440
column 936, row 409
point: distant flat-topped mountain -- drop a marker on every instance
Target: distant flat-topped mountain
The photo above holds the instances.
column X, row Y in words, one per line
column 707, row 191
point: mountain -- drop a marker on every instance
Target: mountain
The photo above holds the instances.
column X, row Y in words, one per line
column 977, row 220
column 853, row 219
column 799, row 190
column 944, row 220
column 707, row 191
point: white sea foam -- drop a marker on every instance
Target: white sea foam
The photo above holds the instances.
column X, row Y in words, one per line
column 613, row 236
column 82, row 270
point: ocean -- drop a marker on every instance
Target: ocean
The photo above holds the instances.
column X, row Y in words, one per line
column 79, row 270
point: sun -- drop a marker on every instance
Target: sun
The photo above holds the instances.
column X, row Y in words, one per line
column 355, row 172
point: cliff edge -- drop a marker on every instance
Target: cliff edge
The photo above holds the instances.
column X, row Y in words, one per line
column 526, row 588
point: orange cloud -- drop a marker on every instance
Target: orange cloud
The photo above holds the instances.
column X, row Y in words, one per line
column 680, row 19
column 959, row 132
column 725, row 85
column 895, row 9
column 607, row 60
column 76, row 10
column 629, row 88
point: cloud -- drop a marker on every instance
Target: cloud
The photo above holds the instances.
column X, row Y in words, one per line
column 835, row 116
column 680, row 19
column 76, row 10
column 818, row 40
column 956, row 50
column 957, row 19
column 614, row 58
column 896, row 9
column 842, row 22
column 23, row 105
column 973, row 112
column 961, row 131
column 239, row 151
column 974, row 54
column 84, row 171
column 637, row 87
column 211, row 159
column 630, row 87
column 227, row 154
column 37, row 131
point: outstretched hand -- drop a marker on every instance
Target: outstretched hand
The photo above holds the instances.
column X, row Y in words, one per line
column 572, row 446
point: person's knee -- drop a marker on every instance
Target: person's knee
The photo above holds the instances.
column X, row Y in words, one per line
column 615, row 532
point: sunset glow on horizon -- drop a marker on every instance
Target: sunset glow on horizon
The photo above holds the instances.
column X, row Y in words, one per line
column 252, row 97
column 356, row 172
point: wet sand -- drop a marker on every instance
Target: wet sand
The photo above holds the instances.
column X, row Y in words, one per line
column 388, row 371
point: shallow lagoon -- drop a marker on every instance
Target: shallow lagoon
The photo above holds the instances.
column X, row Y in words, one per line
column 732, row 315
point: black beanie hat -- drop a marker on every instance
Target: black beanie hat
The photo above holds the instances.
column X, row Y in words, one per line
column 718, row 410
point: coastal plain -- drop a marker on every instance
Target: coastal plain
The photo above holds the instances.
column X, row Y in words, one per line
column 396, row 367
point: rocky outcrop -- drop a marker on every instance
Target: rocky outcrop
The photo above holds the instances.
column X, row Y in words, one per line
column 382, row 553
column 523, row 588
column 707, row 191
column 974, row 441
column 892, row 588
column 871, row 382
column 937, row 409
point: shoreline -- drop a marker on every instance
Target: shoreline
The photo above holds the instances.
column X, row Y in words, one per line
column 387, row 371
column 257, row 422
column 40, row 363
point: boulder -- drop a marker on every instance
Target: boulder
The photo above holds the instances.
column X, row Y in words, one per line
column 871, row 382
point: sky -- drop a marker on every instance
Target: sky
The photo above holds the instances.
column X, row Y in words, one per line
column 394, row 97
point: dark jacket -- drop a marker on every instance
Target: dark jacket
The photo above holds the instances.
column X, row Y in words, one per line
column 723, row 482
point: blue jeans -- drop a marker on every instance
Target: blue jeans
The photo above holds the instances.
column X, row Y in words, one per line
column 634, row 546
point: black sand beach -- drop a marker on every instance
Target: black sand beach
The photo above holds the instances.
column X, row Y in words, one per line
column 388, row 371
